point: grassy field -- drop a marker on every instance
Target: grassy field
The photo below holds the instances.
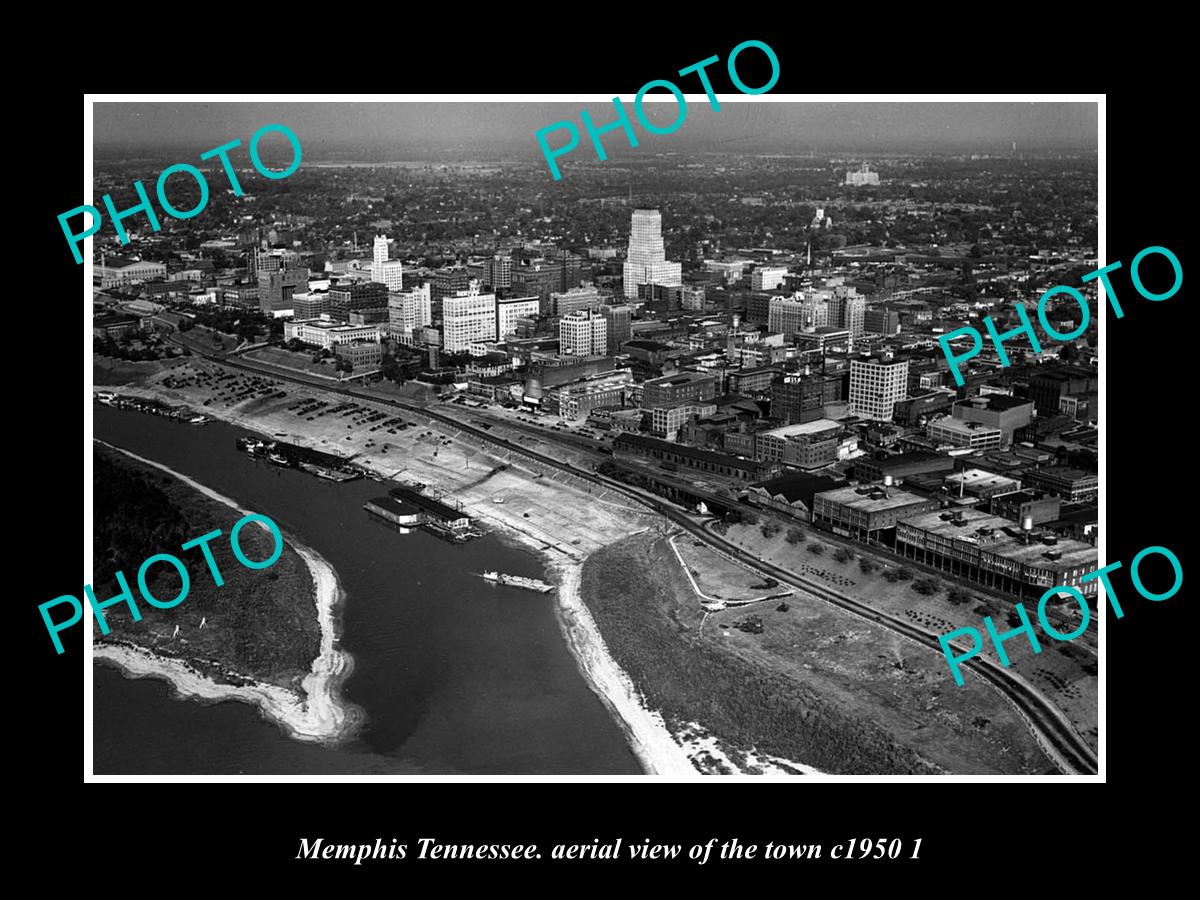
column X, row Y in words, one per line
column 817, row 686
column 261, row 624
column 1066, row 672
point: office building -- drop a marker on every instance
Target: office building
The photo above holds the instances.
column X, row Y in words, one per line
column 767, row 278
column 825, row 339
column 999, row 411
column 875, row 387
column 347, row 298
column 118, row 271
column 646, row 260
column 583, row 333
column 467, row 319
column 411, row 309
column 808, row 445
column 795, row 400
column 386, row 271
column 575, row 299
column 510, row 311
column 325, row 333
column 447, row 282
column 947, row 430
column 787, row 315
column 498, row 272
column 277, row 288
column 665, row 421
column 1073, row 485
column 620, row 325
column 680, row 386
column 863, row 177
column 881, row 321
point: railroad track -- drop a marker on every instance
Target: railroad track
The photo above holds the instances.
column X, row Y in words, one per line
column 1058, row 739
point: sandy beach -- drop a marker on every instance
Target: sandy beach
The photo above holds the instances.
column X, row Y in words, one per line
column 567, row 523
column 319, row 713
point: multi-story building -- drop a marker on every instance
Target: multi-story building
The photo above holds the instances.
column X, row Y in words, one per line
column 620, row 325
column 325, row 333
column 798, row 399
column 646, row 260
column 994, row 552
column 447, row 282
column 409, row 310
column 979, row 483
column 117, row 271
column 999, row 411
column 347, row 298
column 538, row 278
column 867, row 513
column 467, row 319
column 359, row 353
column 1073, row 485
column 1048, row 388
column 919, row 462
column 767, row 278
column 665, row 421
column 575, row 299
column 957, row 433
column 875, row 386
column 577, row 400
column 310, row 304
column 788, row 315
column 864, row 177
column 826, row 339
column 509, row 312
column 277, row 288
column 881, row 321
column 848, row 311
column 691, row 298
column 1017, row 506
column 583, row 333
column 498, row 272
column 753, row 381
column 679, row 386
column 386, row 271
column 809, row 445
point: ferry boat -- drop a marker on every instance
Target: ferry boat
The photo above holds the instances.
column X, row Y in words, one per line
column 529, row 584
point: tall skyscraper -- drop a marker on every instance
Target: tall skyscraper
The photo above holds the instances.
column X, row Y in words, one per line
column 410, row 309
column 583, row 333
column 620, row 326
column 646, row 262
column 384, row 270
column 467, row 319
column 875, row 387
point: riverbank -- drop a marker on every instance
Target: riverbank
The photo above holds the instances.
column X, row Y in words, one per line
column 562, row 519
column 317, row 712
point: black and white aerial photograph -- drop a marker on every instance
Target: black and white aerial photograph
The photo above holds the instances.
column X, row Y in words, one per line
column 725, row 454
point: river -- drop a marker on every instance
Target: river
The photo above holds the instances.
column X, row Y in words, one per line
column 457, row 676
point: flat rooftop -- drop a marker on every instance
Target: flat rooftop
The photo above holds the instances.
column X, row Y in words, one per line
column 817, row 425
column 851, row 497
column 980, row 478
column 1002, row 537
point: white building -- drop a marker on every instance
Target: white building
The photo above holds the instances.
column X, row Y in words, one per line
column 410, row 309
column 326, row 333
column 864, row 176
column 646, row 261
column 512, row 308
column 583, row 333
column 787, row 315
column 467, row 319
column 957, row 433
column 876, row 386
column 384, row 270
column 115, row 271
column 767, row 278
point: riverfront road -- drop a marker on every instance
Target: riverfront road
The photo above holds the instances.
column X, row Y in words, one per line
column 1069, row 752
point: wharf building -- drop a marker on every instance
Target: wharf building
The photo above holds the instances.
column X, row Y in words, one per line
column 676, row 455
column 468, row 319
column 386, row 271
column 994, row 552
column 646, row 260
column 876, row 386
column 867, row 513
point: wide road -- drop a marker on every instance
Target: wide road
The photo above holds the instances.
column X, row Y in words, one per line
column 1050, row 727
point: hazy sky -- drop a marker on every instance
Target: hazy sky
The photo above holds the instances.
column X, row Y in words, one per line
column 334, row 129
